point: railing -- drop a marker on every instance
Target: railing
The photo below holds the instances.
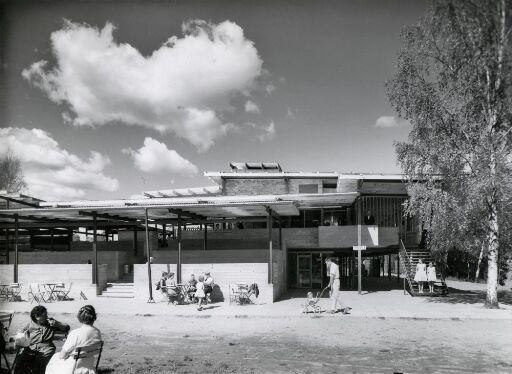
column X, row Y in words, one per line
column 406, row 265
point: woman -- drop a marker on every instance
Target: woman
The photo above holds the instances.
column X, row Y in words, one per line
column 208, row 286
column 421, row 275
column 172, row 289
column 431, row 276
column 63, row 362
column 38, row 334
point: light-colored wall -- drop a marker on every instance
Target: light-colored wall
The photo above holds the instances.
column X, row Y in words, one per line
column 79, row 274
column 224, row 274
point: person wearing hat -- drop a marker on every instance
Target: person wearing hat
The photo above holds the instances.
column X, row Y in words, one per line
column 86, row 335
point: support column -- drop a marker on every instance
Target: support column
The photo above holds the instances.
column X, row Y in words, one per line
column 94, row 251
column 70, row 238
column 164, row 235
column 135, row 243
column 178, row 266
column 397, row 268
column 148, row 252
column 7, row 244
column 205, row 241
column 270, row 260
column 52, row 238
column 389, row 266
column 31, row 238
column 16, row 223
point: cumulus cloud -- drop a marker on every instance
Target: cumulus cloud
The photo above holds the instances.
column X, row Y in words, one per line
column 155, row 157
column 51, row 172
column 389, row 121
column 183, row 87
column 251, row 107
column 268, row 132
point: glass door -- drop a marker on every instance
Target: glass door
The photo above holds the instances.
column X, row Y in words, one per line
column 304, row 270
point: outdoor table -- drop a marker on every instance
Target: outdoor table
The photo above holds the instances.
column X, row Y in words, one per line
column 50, row 288
column 4, row 292
column 184, row 288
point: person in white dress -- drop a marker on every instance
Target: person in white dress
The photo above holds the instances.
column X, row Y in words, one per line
column 431, row 276
column 421, row 275
column 200, row 292
column 63, row 362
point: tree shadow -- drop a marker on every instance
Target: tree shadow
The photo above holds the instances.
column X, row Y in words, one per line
column 456, row 296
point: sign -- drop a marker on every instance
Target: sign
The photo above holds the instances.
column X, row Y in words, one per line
column 359, row 247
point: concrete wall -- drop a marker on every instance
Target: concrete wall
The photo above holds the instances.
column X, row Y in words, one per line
column 113, row 259
column 224, row 274
column 347, row 236
column 79, row 274
column 277, row 186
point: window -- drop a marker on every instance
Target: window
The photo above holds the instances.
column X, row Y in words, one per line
column 308, row 188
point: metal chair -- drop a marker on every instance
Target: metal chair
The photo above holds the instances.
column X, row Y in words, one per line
column 5, row 323
column 88, row 351
column 13, row 292
column 33, row 293
column 62, row 292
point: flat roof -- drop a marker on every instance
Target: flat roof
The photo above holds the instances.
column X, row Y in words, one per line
column 191, row 208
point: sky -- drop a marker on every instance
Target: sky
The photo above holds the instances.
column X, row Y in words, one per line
column 104, row 100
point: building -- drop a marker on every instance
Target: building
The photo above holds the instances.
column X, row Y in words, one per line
column 257, row 223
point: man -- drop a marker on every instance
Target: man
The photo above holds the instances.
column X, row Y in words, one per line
column 334, row 285
column 369, row 219
column 208, row 286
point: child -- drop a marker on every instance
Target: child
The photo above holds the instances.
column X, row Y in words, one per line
column 310, row 304
column 200, row 292
column 431, row 276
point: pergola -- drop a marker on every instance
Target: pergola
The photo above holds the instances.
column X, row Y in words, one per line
column 22, row 213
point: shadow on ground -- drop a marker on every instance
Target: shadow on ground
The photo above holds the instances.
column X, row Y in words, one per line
column 456, row 296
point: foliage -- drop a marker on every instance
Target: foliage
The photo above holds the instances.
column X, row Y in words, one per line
column 11, row 173
column 454, row 85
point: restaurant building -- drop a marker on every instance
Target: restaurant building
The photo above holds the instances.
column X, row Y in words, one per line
column 255, row 224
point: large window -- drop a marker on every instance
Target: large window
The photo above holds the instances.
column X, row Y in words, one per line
column 308, row 188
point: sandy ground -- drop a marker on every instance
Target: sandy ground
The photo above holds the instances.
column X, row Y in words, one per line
column 301, row 344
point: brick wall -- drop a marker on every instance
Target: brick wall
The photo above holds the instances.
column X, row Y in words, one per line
column 255, row 186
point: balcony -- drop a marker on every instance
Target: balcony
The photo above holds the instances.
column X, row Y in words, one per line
column 346, row 236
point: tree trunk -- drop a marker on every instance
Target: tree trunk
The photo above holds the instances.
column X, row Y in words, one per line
column 480, row 257
column 491, row 300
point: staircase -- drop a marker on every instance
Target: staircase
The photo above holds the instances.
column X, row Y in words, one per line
column 118, row 291
column 122, row 289
column 409, row 260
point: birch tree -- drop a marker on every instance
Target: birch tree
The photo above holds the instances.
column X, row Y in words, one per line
column 453, row 84
column 11, row 173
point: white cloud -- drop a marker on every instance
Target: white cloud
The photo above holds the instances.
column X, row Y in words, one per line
column 183, row 87
column 51, row 172
column 251, row 107
column 291, row 113
column 270, row 88
column 389, row 121
column 268, row 132
column 155, row 157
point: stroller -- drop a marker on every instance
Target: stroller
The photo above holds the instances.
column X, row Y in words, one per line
column 311, row 303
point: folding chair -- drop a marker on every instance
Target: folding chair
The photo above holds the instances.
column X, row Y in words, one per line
column 5, row 323
column 62, row 292
column 13, row 292
column 33, row 293
column 88, row 351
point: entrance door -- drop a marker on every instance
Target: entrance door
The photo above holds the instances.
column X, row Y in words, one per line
column 304, row 270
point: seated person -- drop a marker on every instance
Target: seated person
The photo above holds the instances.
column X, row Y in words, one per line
column 208, row 286
column 173, row 292
column 87, row 334
column 160, row 285
column 39, row 332
column 192, row 287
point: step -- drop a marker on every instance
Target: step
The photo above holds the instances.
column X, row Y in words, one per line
column 117, row 296
column 127, row 284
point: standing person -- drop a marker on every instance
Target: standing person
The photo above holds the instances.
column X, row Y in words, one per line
column 369, row 219
column 431, row 276
column 334, row 284
column 200, row 292
column 208, row 286
column 421, row 275
column 40, row 332
column 63, row 362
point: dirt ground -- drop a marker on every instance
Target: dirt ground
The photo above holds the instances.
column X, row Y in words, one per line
column 307, row 344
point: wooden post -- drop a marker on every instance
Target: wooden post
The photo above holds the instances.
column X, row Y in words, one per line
column 148, row 252
column 16, row 248
column 164, row 235
column 398, row 268
column 94, row 251
column 178, row 267
column 270, row 260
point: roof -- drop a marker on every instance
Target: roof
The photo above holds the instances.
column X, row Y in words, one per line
column 168, row 208
column 236, row 166
column 178, row 192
